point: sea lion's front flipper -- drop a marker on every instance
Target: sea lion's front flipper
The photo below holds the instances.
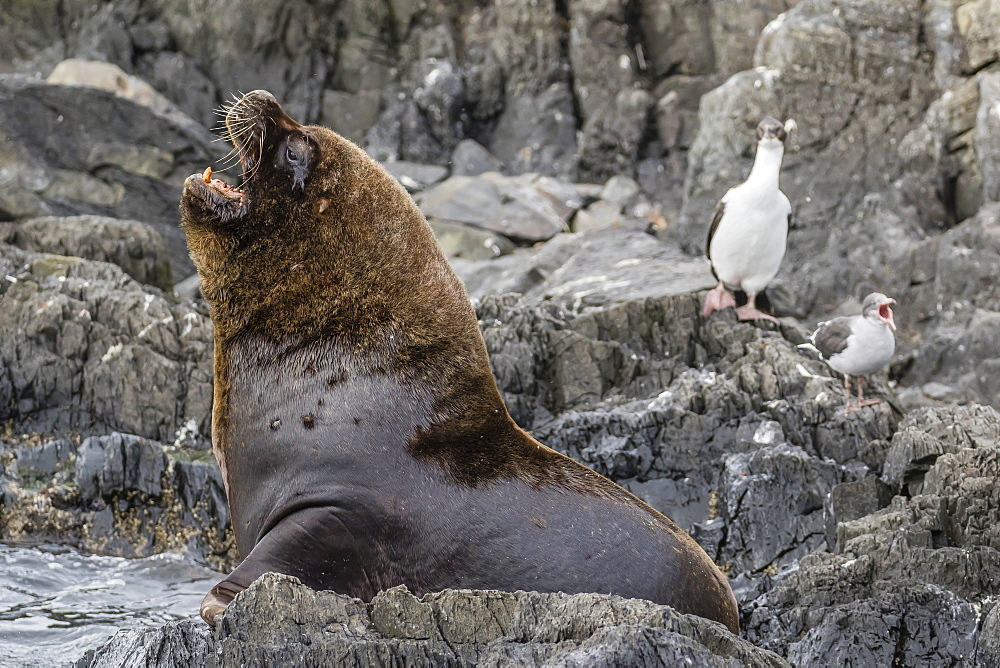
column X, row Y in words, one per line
column 217, row 600
column 311, row 544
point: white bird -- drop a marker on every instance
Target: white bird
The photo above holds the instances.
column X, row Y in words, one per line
column 746, row 241
column 857, row 345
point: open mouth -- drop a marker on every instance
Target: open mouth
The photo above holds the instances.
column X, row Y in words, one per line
column 221, row 187
column 214, row 197
column 885, row 313
column 228, row 202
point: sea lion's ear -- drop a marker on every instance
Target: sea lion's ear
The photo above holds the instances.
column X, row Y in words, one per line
column 324, row 204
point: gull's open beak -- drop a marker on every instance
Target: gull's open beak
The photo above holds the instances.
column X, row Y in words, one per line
column 885, row 313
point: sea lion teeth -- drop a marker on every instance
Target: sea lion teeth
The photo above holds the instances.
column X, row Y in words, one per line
column 207, row 176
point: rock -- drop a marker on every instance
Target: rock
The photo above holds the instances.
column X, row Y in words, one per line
column 535, row 128
column 131, row 169
column 135, row 247
column 598, row 216
column 853, row 500
column 119, row 463
column 977, row 22
column 907, row 582
column 277, row 620
column 491, row 202
column 469, row 243
column 415, row 177
column 621, row 190
column 534, row 133
column 44, row 460
column 593, row 269
column 767, row 532
column 614, row 108
column 84, row 347
column 987, row 135
column 183, row 643
column 351, row 115
column 470, row 158
column 110, row 77
column 926, row 434
column 118, row 495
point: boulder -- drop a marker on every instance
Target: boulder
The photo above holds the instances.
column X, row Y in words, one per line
column 279, row 621
column 85, row 347
column 492, row 202
column 134, row 246
column 131, row 169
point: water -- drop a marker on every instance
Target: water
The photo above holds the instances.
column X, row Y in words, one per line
column 56, row 603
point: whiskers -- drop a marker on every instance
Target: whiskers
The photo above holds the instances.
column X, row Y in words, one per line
column 235, row 132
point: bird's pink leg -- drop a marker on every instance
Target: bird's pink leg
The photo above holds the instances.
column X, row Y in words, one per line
column 717, row 299
column 862, row 402
column 848, row 408
column 749, row 311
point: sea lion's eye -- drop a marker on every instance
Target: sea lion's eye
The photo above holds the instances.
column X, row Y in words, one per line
column 291, row 156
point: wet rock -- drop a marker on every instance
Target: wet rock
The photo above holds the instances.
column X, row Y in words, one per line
column 119, row 463
column 43, row 460
column 135, row 247
column 853, row 500
column 119, row 495
column 279, row 621
column 907, row 582
column 184, row 643
column 768, row 530
column 926, row 434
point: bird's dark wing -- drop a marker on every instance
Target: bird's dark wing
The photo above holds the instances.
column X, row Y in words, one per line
column 830, row 337
column 716, row 217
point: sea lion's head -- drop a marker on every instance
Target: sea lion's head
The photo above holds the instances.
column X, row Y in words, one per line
column 317, row 239
column 277, row 156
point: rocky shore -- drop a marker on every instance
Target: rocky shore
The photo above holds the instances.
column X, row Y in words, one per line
column 567, row 155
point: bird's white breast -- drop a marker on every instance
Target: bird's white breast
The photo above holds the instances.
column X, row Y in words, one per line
column 869, row 348
column 749, row 243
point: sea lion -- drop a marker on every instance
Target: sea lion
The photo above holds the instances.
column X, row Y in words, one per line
column 362, row 438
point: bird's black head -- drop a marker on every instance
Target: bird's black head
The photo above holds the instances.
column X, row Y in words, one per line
column 771, row 128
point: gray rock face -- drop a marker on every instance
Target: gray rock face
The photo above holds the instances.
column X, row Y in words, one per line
column 905, row 584
column 118, row 494
column 84, row 347
column 278, row 621
column 117, row 463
